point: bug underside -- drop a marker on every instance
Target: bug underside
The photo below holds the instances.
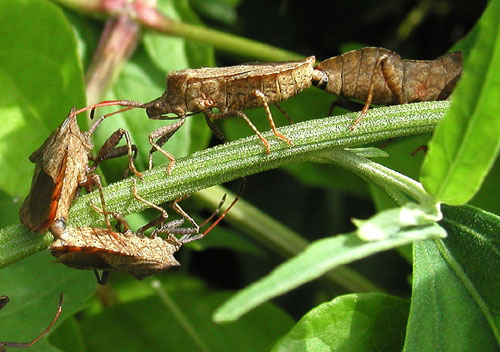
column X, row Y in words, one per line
column 90, row 248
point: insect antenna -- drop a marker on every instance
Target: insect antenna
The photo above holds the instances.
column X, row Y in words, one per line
column 35, row 340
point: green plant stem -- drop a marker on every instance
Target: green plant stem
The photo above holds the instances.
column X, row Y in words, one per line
column 233, row 160
column 223, row 41
column 151, row 18
column 396, row 185
column 178, row 315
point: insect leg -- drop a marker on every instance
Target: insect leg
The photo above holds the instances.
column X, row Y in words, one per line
column 263, row 98
column 389, row 72
column 109, row 151
column 155, row 222
column 163, row 134
column 241, row 114
column 215, row 130
column 283, row 112
column 103, row 278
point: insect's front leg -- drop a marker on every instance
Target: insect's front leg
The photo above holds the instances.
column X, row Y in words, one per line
column 162, row 135
column 109, row 151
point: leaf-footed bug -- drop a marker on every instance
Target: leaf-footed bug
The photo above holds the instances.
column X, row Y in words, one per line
column 3, row 345
column 62, row 166
column 380, row 76
column 230, row 90
column 137, row 255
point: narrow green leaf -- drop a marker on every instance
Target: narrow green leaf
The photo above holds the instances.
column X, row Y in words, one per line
column 317, row 259
column 456, row 291
column 466, row 143
column 357, row 322
column 392, row 222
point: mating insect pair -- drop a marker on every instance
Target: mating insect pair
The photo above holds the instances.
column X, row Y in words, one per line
column 61, row 168
column 125, row 251
column 3, row 345
column 372, row 75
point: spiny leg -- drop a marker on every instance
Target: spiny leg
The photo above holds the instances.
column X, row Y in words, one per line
column 284, row 113
column 263, row 98
column 96, row 181
column 163, row 134
column 238, row 113
column 3, row 345
column 217, row 132
column 187, row 239
column 156, row 221
column 109, row 151
column 388, row 72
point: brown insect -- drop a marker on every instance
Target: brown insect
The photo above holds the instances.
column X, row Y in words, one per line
column 135, row 254
column 3, row 345
column 62, row 167
column 230, row 90
column 380, row 76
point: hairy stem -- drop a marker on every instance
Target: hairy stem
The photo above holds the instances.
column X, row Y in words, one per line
column 231, row 161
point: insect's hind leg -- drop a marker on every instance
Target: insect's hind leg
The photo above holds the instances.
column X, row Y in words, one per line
column 263, row 99
column 239, row 113
column 391, row 79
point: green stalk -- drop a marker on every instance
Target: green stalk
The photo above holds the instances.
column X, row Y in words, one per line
column 151, row 18
column 233, row 160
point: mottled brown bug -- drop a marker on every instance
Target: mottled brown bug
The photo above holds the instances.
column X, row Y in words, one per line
column 380, row 76
column 3, row 345
column 135, row 254
column 62, row 167
column 230, row 90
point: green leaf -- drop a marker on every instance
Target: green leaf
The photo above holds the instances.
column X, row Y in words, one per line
column 456, row 286
column 33, row 286
column 317, row 259
column 392, row 222
column 154, row 324
column 466, row 143
column 356, row 322
column 40, row 79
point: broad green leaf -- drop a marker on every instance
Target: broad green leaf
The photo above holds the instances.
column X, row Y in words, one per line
column 317, row 259
column 455, row 299
column 466, row 143
column 180, row 321
column 33, row 286
column 40, row 79
column 356, row 322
